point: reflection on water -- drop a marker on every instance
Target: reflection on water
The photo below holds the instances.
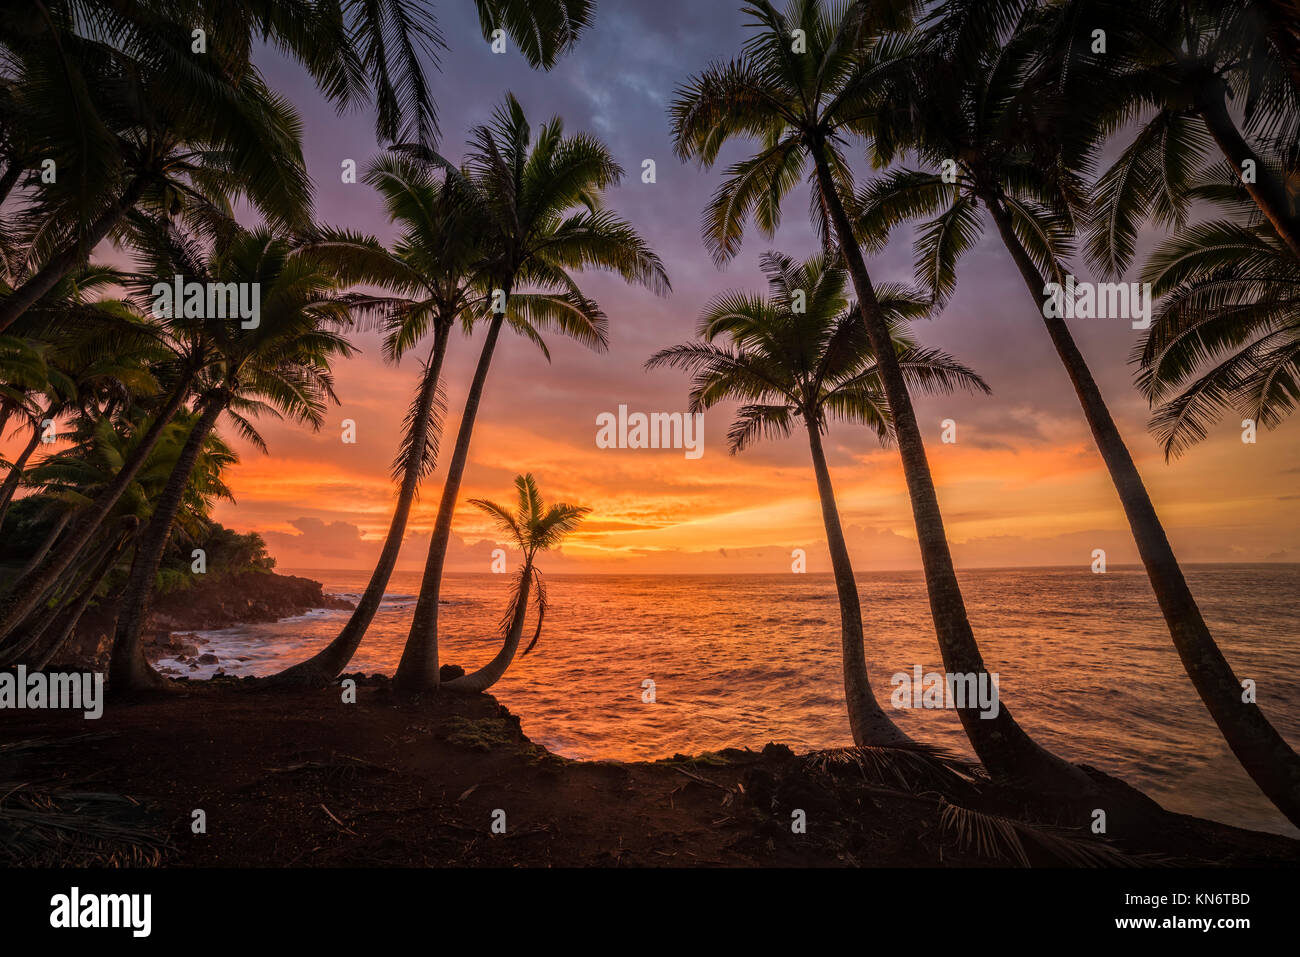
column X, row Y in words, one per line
column 1085, row 662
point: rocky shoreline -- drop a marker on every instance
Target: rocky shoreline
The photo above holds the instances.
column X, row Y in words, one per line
column 225, row 602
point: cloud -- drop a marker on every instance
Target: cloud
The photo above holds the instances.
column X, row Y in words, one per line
column 316, row 538
column 340, row 544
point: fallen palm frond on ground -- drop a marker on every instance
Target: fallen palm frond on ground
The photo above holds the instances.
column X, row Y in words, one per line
column 9, row 748
column 54, row 827
column 912, row 767
column 1009, row 841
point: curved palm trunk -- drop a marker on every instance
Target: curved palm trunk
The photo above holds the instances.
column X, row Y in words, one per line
column 23, row 594
column 1266, row 757
column 1269, row 194
column 329, row 662
column 70, row 257
column 66, row 623
column 74, row 573
column 491, row 673
column 418, row 669
column 56, row 595
column 72, row 616
column 128, row 670
column 53, row 604
column 47, row 543
column 16, row 473
column 62, row 626
column 1002, row 745
column 867, row 720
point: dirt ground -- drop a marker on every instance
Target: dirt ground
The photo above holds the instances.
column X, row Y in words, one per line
column 300, row 778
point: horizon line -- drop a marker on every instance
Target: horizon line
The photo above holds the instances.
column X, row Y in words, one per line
column 882, row 571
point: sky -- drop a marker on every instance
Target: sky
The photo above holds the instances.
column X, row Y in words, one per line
column 1022, row 485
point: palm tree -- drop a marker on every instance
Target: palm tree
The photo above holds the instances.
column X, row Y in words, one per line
column 32, row 390
column 805, row 106
column 78, row 358
column 544, row 30
column 59, row 627
column 281, row 366
column 381, row 50
column 1226, row 331
column 807, row 365
column 165, row 140
column 71, row 478
column 540, row 203
column 378, row 51
column 177, row 351
column 1183, row 68
column 433, row 274
column 1282, row 20
column 532, row 527
column 58, row 516
column 16, row 467
column 65, row 56
column 976, row 107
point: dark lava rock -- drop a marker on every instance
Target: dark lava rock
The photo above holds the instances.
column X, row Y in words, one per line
column 777, row 752
column 239, row 600
column 211, row 602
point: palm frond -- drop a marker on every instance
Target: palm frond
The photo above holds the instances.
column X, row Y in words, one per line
column 912, row 767
column 1010, row 841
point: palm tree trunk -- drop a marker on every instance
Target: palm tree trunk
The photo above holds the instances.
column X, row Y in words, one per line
column 1002, row 745
column 50, row 600
column 418, row 668
column 27, row 634
column 67, row 621
column 867, row 720
column 128, row 670
column 70, row 257
column 58, row 591
column 491, row 673
column 49, row 621
column 48, row 542
column 1269, row 194
column 1266, row 757
column 16, row 473
column 330, row 661
column 56, row 595
column 24, row 593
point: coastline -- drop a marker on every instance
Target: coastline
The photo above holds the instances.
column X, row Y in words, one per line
column 1091, row 673
column 297, row 778
column 245, row 598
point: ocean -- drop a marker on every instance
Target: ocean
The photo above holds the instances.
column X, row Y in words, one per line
column 1084, row 660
